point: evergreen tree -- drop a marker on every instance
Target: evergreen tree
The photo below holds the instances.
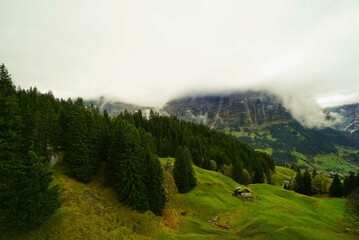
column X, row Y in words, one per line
column 246, row 177
column 307, row 183
column 298, row 182
column 154, row 184
column 183, row 173
column 9, row 117
column 26, row 198
column 77, row 149
column 349, row 184
column 153, row 175
column 336, row 189
column 268, row 175
column 238, row 171
column 126, row 166
column 258, row 175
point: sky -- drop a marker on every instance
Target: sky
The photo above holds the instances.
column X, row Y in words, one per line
column 149, row 52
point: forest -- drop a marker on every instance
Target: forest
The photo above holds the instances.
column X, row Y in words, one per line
column 36, row 126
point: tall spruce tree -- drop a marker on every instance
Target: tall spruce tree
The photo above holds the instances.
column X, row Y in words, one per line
column 258, row 174
column 237, row 173
column 298, row 182
column 183, row 173
column 26, row 198
column 126, row 165
column 349, row 184
column 307, row 183
column 153, row 175
column 336, row 189
column 77, row 148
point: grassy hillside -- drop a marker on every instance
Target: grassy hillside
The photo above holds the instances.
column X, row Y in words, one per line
column 92, row 211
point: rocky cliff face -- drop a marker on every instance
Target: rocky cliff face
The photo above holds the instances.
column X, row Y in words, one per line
column 232, row 111
column 350, row 114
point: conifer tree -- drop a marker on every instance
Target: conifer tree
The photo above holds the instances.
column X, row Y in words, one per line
column 183, row 173
column 9, row 116
column 237, row 173
column 153, row 175
column 349, row 184
column 154, row 184
column 127, row 166
column 307, row 183
column 336, row 189
column 298, row 182
column 26, row 198
column 258, row 175
column 77, row 150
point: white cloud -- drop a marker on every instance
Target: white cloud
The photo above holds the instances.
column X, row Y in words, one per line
column 147, row 52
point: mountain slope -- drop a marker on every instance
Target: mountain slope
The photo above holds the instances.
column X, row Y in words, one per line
column 229, row 111
column 350, row 114
column 259, row 119
column 92, row 211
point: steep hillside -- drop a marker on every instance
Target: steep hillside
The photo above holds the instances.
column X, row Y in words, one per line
column 259, row 119
column 210, row 211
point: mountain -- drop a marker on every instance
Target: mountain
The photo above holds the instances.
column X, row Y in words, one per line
column 350, row 115
column 229, row 111
column 114, row 108
column 259, row 119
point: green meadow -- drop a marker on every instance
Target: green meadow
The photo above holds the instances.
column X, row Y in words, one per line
column 209, row 211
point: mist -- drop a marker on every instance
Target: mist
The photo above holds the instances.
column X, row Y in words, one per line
column 149, row 52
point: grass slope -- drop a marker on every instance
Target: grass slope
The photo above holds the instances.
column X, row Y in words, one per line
column 92, row 211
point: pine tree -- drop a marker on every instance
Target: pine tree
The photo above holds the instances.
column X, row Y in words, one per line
column 183, row 173
column 237, row 173
column 307, row 183
column 77, row 152
column 336, row 189
column 154, row 184
column 26, row 198
column 153, row 175
column 298, row 182
column 9, row 117
column 126, row 166
column 258, row 175
column 349, row 184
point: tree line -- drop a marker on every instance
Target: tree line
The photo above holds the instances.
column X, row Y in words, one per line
column 318, row 183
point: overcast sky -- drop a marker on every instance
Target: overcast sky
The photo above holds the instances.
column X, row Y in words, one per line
column 150, row 51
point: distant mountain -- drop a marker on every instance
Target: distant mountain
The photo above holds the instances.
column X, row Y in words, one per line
column 259, row 119
column 229, row 111
column 114, row 108
column 350, row 114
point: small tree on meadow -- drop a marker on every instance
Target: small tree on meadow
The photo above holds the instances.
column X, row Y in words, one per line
column 336, row 189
